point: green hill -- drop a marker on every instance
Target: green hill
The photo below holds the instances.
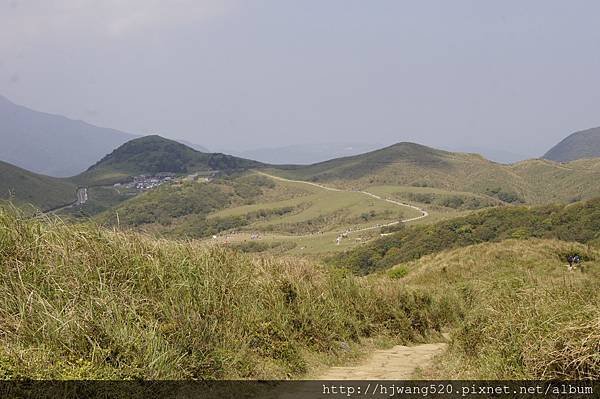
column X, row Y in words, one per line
column 23, row 187
column 408, row 164
column 155, row 154
column 181, row 209
column 578, row 222
column 579, row 145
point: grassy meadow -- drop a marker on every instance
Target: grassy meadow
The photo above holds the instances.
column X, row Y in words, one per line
column 83, row 302
column 524, row 315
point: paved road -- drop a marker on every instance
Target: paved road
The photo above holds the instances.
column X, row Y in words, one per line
column 82, row 196
column 424, row 213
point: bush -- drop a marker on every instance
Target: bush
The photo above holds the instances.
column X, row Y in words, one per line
column 397, row 272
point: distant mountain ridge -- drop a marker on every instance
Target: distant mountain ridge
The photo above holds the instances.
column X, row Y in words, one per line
column 305, row 154
column 403, row 164
column 52, row 144
column 579, row 145
column 410, row 164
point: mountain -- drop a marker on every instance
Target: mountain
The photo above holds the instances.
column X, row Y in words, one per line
column 155, row 154
column 579, row 145
column 23, row 187
column 52, row 144
column 305, row 154
column 410, row 164
column 399, row 164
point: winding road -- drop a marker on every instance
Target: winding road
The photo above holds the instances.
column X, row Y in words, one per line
column 423, row 215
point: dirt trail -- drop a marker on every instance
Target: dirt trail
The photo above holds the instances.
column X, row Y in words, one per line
column 424, row 213
column 397, row 363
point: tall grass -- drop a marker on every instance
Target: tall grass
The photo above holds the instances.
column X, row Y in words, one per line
column 84, row 302
column 523, row 314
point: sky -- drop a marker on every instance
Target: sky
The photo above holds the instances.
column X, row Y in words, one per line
column 514, row 76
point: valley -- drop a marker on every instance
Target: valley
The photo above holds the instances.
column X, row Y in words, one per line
column 401, row 241
column 283, row 199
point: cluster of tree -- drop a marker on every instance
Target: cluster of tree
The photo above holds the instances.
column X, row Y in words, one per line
column 168, row 202
column 454, row 201
column 576, row 222
column 505, row 196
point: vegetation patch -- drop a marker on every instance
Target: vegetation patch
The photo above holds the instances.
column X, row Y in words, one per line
column 524, row 315
column 102, row 304
column 453, row 201
column 575, row 222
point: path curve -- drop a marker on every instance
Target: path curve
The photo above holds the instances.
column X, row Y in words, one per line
column 424, row 213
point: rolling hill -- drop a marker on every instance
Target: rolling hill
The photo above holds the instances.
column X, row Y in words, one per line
column 154, row 154
column 579, row 145
column 52, row 144
column 578, row 222
column 414, row 165
column 23, row 187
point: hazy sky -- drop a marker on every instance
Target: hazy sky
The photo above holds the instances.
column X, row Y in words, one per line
column 515, row 75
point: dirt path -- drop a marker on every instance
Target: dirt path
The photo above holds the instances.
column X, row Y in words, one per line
column 397, row 363
column 424, row 213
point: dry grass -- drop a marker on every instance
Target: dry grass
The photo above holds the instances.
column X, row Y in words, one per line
column 80, row 302
column 524, row 315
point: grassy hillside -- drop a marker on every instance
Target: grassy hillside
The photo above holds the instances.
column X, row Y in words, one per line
column 413, row 165
column 524, row 315
column 43, row 192
column 578, row 222
column 579, row 145
column 109, row 305
column 80, row 302
column 154, row 154
column 181, row 209
column 250, row 203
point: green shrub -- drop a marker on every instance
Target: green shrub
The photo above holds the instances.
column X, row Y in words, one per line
column 398, row 272
column 576, row 222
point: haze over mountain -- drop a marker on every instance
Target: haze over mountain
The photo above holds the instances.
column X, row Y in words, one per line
column 52, row 144
column 305, row 154
column 579, row 145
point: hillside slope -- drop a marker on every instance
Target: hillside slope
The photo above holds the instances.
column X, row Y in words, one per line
column 52, row 144
column 409, row 164
column 578, row 222
column 107, row 305
column 579, row 145
column 526, row 316
column 154, row 154
column 23, row 187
